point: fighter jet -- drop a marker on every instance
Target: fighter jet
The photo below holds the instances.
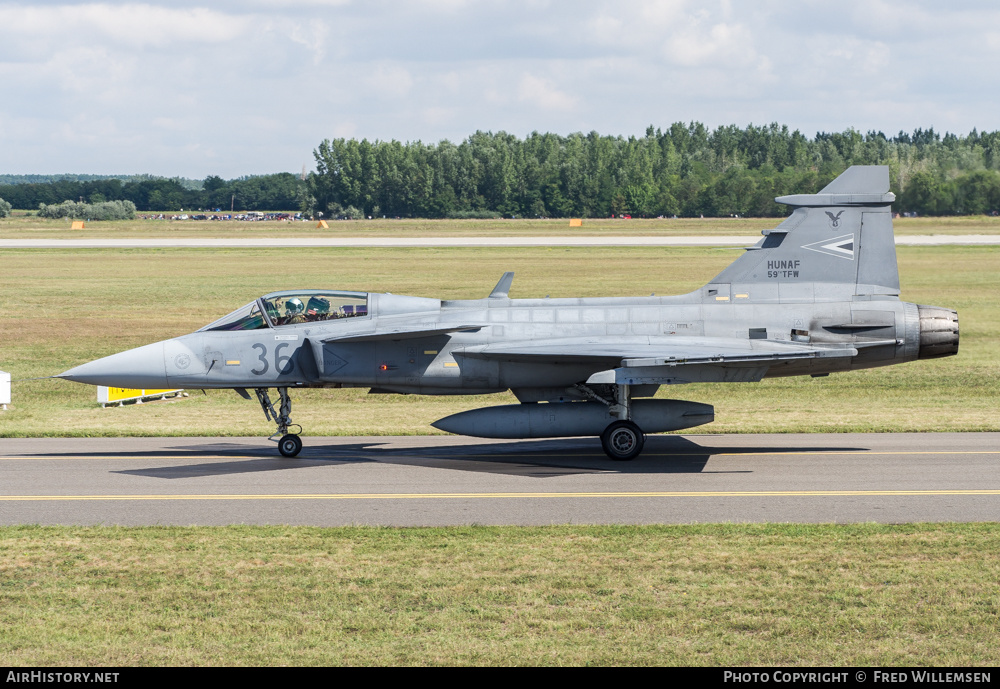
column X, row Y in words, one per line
column 818, row 294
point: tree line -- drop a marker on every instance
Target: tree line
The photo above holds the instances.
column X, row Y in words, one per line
column 42, row 179
column 105, row 210
column 281, row 191
column 684, row 170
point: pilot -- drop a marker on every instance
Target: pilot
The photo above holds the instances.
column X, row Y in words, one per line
column 294, row 311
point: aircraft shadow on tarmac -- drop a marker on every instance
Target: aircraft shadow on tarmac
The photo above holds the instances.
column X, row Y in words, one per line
column 667, row 454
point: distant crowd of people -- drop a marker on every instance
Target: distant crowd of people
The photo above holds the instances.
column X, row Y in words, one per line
column 245, row 217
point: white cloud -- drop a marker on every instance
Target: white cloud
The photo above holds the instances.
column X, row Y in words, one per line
column 390, row 81
column 437, row 117
column 133, row 25
column 543, row 94
column 168, row 87
column 696, row 45
column 313, row 36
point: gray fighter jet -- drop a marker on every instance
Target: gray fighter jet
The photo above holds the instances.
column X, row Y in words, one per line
column 819, row 294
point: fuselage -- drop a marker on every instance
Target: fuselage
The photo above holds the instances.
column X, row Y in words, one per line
column 417, row 345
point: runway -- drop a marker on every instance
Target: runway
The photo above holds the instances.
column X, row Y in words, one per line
column 439, row 242
column 438, row 481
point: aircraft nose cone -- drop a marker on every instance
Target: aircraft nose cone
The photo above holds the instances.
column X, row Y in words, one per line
column 139, row 368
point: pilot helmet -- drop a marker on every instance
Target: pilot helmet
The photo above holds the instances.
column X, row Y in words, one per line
column 293, row 306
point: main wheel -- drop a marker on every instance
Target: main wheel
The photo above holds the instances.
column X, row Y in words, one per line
column 622, row 441
column 290, row 445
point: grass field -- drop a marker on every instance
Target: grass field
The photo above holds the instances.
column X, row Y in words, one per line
column 59, row 309
column 20, row 226
column 770, row 595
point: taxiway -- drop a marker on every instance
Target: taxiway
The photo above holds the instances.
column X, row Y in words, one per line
column 446, row 480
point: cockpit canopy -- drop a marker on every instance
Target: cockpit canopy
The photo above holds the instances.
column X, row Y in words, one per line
column 294, row 307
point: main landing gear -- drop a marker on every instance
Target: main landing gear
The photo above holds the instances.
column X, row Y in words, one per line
column 289, row 444
column 622, row 440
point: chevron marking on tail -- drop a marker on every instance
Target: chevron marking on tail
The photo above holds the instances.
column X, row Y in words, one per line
column 841, row 247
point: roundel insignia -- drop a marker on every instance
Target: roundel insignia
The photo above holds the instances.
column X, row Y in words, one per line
column 182, row 361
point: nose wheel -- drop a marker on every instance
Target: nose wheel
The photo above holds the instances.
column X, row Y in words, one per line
column 289, row 444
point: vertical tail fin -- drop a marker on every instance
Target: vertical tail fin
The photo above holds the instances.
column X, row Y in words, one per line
column 836, row 245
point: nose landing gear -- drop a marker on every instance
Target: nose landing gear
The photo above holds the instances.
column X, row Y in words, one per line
column 289, row 444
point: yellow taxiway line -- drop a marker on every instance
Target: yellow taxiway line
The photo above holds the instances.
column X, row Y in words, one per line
column 525, row 495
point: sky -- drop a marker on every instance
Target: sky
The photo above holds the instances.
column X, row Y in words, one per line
column 192, row 89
